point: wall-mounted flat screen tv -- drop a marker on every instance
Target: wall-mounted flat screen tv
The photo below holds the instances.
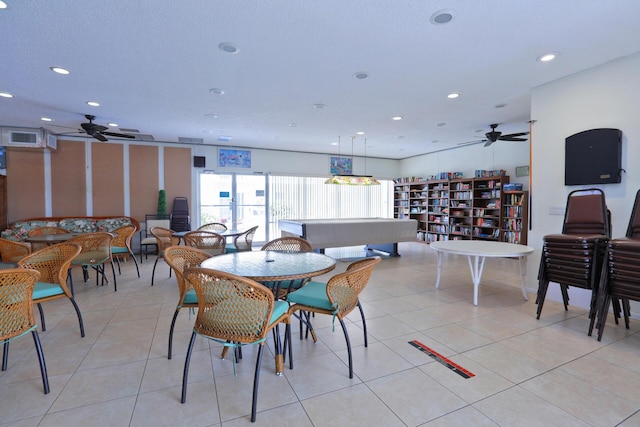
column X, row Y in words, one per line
column 593, row 157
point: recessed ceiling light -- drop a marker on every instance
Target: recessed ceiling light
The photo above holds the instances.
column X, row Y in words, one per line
column 453, row 95
column 93, row 103
column 501, row 105
column 546, row 57
column 318, row 106
column 442, row 17
column 396, row 118
column 3, row 5
column 216, row 91
column 360, row 133
column 6, row 95
column 228, row 47
column 224, row 138
column 113, row 125
column 292, row 125
column 435, row 141
column 361, row 75
column 334, row 143
column 46, row 119
column 59, row 70
column 400, row 137
column 441, row 124
column 211, row 116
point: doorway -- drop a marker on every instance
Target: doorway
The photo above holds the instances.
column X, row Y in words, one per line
column 236, row 200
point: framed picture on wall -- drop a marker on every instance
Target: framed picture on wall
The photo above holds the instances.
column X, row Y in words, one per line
column 228, row 158
column 341, row 166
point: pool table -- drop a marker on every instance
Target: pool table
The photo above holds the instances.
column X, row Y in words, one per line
column 379, row 234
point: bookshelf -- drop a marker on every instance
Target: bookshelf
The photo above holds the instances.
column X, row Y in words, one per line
column 463, row 208
column 515, row 222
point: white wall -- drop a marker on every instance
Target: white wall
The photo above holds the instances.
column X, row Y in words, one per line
column 607, row 96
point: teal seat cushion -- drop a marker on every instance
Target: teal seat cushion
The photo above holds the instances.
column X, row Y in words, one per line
column 313, row 294
column 119, row 250
column 45, row 290
column 190, row 297
column 231, row 248
column 279, row 308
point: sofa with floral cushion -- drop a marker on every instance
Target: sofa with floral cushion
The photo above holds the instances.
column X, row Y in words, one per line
column 78, row 224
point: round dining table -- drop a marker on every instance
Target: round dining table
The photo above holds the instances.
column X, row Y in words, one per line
column 270, row 266
column 51, row 239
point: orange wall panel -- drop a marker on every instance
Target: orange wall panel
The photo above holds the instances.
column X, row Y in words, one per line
column 68, row 179
column 177, row 175
column 108, row 178
column 25, row 183
column 143, row 180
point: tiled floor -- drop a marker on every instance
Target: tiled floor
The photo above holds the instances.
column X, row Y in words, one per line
column 528, row 372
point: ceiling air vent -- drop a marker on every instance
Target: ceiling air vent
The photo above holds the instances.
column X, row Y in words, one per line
column 186, row 140
column 23, row 137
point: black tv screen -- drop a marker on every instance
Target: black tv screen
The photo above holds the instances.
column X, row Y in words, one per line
column 593, row 157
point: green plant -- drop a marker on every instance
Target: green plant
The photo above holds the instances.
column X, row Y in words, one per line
column 162, row 202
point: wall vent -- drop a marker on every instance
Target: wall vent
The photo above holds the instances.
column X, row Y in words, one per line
column 185, row 140
column 23, row 137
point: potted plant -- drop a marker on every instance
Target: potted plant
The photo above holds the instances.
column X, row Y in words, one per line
column 162, row 204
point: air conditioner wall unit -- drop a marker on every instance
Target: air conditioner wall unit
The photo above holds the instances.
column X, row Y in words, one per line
column 23, row 137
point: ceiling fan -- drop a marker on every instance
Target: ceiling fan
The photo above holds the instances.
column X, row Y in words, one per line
column 98, row 131
column 495, row 135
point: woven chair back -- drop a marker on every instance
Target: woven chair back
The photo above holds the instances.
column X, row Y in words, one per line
column 123, row 235
column 343, row 289
column 213, row 226
column 16, row 303
column 209, row 241
column 288, row 244
column 230, row 307
column 179, row 259
column 164, row 238
column 11, row 251
column 244, row 241
column 53, row 263
column 95, row 248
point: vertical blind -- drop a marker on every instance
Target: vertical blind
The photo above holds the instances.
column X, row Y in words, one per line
column 296, row 197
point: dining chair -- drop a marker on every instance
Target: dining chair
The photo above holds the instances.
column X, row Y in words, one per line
column 575, row 257
column 16, row 313
column 12, row 252
column 53, row 263
column 180, row 258
column 235, row 311
column 337, row 298
column 213, row 226
column 242, row 242
column 208, row 241
column 121, row 245
column 44, row 230
column 95, row 253
column 146, row 238
column 289, row 244
column 164, row 239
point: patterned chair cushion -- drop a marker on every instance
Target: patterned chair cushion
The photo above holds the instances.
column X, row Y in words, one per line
column 79, row 225
column 19, row 229
column 111, row 224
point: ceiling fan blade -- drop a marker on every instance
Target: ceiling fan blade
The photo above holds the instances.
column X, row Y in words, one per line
column 518, row 134
column 118, row 135
column 511, row 138
column 488, row 143
column 100, row 137
column 475, row 141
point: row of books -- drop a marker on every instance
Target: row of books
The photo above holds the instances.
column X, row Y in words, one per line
column 512, row 224
column 511, row 236
column 513, row 211
column 480, row 173
column 446, row 175
column 513, row 199
column 408, row 179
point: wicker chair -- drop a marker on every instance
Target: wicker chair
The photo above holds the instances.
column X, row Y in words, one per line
column 180, row 258
column 243, row 241
column 338, row 297
column 39, row 231
column 164, row 239
column 95, row 253
column 16, row 313
column 213, row 226
column 208, row 241
column 235, row 311
column 53, row 263
column 287, row 244
column 12, row 252
column 121, row 245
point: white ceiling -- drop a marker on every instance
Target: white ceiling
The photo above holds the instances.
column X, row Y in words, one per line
column 151, row 65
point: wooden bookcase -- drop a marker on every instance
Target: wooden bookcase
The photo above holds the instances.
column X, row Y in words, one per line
column 464, row 208
column 515, row 217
